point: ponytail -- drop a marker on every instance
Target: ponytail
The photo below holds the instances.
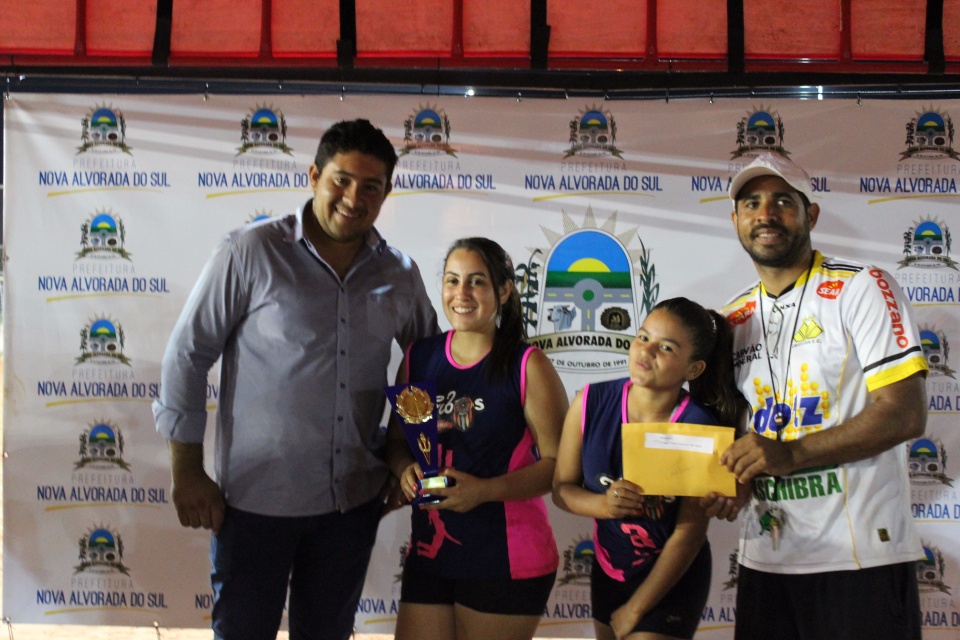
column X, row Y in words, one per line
column 716, row 386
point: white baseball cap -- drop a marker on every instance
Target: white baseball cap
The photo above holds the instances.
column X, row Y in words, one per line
column 772, row 164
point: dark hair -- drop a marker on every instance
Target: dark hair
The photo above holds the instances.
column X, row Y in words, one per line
column 510, row 332
column 356, row 135
column 712, row 343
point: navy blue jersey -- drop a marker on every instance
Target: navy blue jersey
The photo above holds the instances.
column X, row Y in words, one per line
column 625, row 546
column 483, row 432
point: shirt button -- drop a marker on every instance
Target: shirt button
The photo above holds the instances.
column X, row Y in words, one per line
column 343, row 321
column 338, row 451
column 339, row 418
column 343, row 386
column 343, row 352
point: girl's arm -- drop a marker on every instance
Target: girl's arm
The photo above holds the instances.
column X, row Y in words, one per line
column 546, row 403
column 621, row 500
column 678, row 553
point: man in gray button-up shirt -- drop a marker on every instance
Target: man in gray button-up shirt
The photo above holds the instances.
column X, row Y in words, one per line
column 303, row 311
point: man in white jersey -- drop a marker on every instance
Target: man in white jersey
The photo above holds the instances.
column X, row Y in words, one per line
column 828, row 356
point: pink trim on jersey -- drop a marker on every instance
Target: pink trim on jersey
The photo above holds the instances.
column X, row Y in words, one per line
column 527, row 520
column 680, row 407
column 449, row 354
column 624, row 414
column 603, row 557
column 528, row 523
column 523, row 375
column 624, row 410
column 583, row 410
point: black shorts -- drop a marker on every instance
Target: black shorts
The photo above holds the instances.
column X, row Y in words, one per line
column 677, row 614
column 526, row 597
column 880, row 603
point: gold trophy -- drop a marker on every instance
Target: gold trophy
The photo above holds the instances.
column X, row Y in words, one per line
column 414, row 405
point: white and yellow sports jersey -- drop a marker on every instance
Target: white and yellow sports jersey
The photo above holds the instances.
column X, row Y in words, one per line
column 852, row 333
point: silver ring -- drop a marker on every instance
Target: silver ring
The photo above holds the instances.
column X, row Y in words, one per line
column 615, row 494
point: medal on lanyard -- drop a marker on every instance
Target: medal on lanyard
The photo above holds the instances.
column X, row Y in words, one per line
column 781, row 416
column 772, row 520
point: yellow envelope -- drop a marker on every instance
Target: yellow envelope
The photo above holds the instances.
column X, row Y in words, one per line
column 676, row 459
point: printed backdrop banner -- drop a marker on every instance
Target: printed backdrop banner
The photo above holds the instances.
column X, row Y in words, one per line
column 113, row 204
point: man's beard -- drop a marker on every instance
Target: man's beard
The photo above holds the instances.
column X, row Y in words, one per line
column 788, row 256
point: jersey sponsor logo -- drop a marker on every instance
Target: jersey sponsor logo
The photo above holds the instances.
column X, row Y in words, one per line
column 830, row 289
column 893, row 309
column 808, row 330
column 812, row 483
column 802, row 414
column 457, row 412
column 742, row 314
column 747, row 354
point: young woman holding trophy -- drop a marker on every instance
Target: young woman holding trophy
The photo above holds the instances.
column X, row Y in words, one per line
column 482, row 559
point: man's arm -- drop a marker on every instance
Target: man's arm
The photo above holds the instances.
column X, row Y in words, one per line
column 196, row 497
column 897, row 413
column 209, row 315
column 212, row 311
column 422, row 322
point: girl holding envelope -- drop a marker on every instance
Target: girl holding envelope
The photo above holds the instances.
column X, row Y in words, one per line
column 651, row 573
column 482, row 561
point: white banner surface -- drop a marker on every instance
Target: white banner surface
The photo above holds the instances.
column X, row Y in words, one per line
column 113, row 204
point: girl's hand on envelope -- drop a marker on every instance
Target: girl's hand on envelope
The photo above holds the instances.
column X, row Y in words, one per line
column 624, row 499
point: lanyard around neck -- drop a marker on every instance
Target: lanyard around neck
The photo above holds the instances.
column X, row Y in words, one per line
column 779, row 404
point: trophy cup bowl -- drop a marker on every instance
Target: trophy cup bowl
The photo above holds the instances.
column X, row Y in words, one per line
column 414, row 406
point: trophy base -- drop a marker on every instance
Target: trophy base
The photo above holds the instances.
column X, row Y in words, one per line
column 435, row 482
column 428, row 483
